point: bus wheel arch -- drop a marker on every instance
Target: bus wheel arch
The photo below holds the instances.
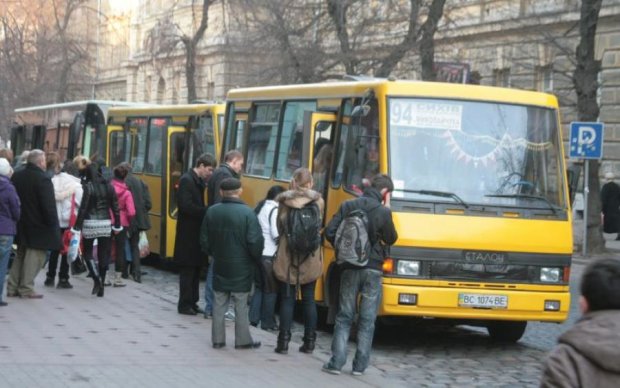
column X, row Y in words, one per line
column 506, row 331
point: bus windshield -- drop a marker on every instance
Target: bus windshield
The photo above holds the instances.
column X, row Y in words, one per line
column 482, row 153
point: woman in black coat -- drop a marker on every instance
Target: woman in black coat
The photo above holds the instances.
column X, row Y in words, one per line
column 98, row 202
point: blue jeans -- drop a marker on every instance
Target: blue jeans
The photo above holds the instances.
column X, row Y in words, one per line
column 209, row 289
column 262, row 308
column 287, row 305
column 367, row 284
column 6, row 242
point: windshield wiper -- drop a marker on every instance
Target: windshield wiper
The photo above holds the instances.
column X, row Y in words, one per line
column 434, row 193
column 553, row 207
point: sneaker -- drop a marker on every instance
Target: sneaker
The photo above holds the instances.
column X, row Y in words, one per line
column 119, row 283
column 331, row 370
column 64, row 284
column 357, row 372
column 49, row 282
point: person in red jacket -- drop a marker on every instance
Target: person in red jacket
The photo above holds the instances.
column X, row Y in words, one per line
column 127, row 211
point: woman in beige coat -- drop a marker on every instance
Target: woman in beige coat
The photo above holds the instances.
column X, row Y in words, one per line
column 292, row 272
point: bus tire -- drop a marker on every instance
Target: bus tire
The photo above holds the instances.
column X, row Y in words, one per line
column 506, row 331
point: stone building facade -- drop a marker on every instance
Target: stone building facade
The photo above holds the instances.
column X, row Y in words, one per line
column 526, row 44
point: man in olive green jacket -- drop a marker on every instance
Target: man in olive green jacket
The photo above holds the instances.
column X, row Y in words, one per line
column 231, row 234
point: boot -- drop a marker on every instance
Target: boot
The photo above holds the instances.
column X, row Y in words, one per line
column 92, row 271
column 125, row 270
column 100, row 293
column 283, row 339
column 118, row 281
column 309, row 341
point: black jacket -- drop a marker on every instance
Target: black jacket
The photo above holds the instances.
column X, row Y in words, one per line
column 37, row 227
column 213, row 190
column 142, row 202
column 192, row 209
column 610, row 201
column 381, row 229
column 98, row 201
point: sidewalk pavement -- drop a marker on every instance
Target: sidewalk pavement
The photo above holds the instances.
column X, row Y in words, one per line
column 133, row 337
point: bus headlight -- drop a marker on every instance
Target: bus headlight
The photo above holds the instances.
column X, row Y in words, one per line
column 550, row 274
column 408, row 268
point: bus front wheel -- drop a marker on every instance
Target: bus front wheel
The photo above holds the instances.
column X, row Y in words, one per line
column 506, row 331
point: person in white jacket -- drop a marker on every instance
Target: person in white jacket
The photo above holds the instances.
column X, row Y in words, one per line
column 67, row 190
column 263, row 302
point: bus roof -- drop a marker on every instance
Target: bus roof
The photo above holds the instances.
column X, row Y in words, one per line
column 165, row 109
column 394, row 88
column 74, row 104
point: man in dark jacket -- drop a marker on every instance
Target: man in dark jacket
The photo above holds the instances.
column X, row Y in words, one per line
column 231, row 168
column 187, row 253
column 231, row 234
column 587, row 354
column 37, row 230
column 610, row 205
column 362, row 282
column 140, row 222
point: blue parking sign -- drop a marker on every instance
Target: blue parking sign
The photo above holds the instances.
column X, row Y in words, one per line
column 586, row 140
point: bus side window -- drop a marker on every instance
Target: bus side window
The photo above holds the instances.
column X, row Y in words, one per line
column 157, row 128
column 358, row 148
column 262, row 139
column 291, row 140
column 116, row 147
column 137, row 129
column 206, row 135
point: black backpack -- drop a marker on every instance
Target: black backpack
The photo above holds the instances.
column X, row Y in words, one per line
column 303, row 230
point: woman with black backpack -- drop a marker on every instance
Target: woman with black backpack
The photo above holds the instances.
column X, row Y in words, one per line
column 298, row 262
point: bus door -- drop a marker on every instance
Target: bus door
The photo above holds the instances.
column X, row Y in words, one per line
column 74, row 146
column 179, row 162
column 319, row 130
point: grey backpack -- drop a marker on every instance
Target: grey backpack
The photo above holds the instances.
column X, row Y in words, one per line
column 352, row 242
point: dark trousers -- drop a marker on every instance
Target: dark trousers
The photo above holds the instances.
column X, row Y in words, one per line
column 52, row 264
column 287, row 306
column 189, row 282
column 134, row 239
column 119, row 242
column 103, row 252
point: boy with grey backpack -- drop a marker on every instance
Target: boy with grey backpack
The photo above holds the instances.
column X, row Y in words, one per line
column 360, row 232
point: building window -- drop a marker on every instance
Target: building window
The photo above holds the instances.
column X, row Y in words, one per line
column 501, row 77
column 544, row 78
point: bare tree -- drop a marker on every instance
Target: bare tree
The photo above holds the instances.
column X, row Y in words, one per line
column 585, row 79
column 191, row 43
column 71, row 49
column 417, row 37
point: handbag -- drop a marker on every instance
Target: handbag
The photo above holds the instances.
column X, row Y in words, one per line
column 67, row 234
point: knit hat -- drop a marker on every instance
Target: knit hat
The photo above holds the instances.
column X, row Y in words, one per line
column 609, row 176
column 5, row 167
column 230, row 184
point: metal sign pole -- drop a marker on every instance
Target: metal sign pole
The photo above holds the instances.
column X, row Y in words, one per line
column 586, row 190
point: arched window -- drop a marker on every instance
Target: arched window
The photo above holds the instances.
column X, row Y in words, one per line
column 161, row 88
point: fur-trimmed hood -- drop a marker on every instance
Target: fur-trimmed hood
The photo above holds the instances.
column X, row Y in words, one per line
column 298, row 198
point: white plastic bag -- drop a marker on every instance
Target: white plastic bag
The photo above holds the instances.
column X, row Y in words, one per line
column 143, row 245
column 74, row 246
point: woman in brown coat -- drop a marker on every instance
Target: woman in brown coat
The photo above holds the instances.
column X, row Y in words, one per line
column 292, row 272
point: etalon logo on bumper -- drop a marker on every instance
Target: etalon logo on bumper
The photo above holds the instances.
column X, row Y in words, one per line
column 485, row 257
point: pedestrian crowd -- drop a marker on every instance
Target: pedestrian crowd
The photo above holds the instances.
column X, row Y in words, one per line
column 45, row 202
column 254, row 257
column 273, row 252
